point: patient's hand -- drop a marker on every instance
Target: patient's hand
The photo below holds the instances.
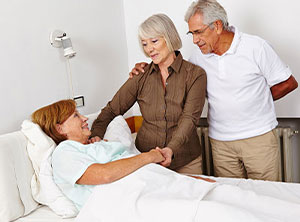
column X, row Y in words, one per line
column 202, row 178
column 94, row 139
column 167, row 153
column 139, row 67
column 156, row 156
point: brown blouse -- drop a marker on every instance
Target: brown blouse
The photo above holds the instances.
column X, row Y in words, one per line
column 170, row 113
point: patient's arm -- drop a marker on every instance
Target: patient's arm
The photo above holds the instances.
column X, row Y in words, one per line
column 109, row 172
column 202, row 178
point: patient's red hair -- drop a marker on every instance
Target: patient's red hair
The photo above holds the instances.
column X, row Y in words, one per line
column 49, row 116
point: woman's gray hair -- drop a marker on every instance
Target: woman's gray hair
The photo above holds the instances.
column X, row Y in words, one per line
column 160, row 25
column 211, row 11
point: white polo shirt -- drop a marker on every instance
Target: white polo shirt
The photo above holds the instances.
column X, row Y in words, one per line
column 240, row 104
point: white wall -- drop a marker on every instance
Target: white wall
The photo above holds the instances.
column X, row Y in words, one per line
column 34, row 74
column 274, row 20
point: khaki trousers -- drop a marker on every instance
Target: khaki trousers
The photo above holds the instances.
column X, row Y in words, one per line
column 255, row 157
column 193, row 167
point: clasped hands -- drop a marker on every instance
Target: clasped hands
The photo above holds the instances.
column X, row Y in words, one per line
column 166, row 152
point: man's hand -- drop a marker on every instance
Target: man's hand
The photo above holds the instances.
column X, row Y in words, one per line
column 94, row 139
column 167, row 153
column 139, row 67
column 202, row 178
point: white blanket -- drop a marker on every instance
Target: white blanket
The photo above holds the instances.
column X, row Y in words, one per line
column 152, row 193
column 246, row 205
column 156, row 194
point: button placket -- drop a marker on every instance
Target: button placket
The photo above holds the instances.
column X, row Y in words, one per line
column 221, row 64
column 165, row 113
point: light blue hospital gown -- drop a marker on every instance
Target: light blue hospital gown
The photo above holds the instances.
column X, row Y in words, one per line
column 70, row 160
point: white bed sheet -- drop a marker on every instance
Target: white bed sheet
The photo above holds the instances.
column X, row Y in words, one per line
column 284, row 191
column 145, row 196
column 43, row 214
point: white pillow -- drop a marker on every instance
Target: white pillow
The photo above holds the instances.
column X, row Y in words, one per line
column 40, row 148
column 44, row 189
column 118, row 130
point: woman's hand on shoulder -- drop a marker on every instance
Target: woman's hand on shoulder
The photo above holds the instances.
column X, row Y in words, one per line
column 94, row 139
column 139, row 67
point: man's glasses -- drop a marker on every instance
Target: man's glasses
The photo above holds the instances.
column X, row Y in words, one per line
column 199, row 32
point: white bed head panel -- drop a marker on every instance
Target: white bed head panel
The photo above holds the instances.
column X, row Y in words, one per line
column 15, row 175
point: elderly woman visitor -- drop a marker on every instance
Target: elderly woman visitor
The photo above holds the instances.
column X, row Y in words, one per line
column 170, row 93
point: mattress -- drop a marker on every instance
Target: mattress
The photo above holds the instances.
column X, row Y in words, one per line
column 43, row 214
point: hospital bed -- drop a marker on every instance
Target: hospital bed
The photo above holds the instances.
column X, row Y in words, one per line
column 16, row 175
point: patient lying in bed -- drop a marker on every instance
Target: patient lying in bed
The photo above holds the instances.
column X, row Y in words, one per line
column 132, row 187
column 79, row 166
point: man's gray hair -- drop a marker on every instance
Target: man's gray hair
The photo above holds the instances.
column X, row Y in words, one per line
column 211, row 11
column 160, row 25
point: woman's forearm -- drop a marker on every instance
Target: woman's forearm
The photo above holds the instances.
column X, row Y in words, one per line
column 120, row 103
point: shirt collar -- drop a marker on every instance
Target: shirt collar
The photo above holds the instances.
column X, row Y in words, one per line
column 236, row 40
column 174, row 66
column 234, row 45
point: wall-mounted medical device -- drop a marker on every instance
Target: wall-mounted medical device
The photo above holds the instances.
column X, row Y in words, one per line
column 59, row 39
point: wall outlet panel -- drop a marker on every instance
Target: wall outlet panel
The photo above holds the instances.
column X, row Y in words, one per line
column 79, row 101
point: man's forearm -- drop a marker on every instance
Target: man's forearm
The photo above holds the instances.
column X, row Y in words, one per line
column 281, row 89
